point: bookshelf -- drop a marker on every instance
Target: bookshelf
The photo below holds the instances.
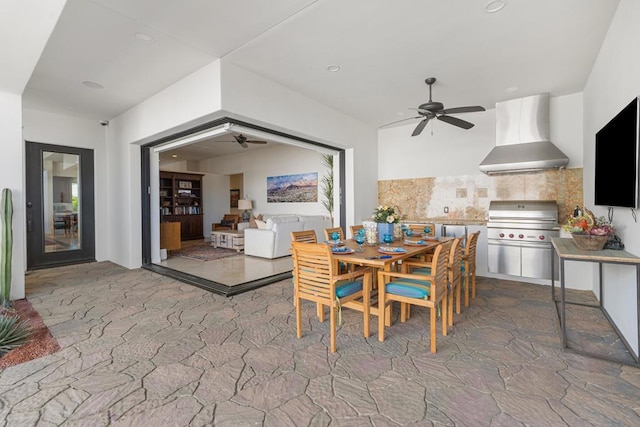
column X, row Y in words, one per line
column 181, row 201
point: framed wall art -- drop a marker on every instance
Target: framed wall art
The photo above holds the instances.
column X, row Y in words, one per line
column 234, row 196
column 298, row 188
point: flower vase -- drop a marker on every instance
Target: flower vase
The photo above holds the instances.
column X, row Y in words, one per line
column 384, row 228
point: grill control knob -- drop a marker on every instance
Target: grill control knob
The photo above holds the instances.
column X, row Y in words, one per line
column 511, row 236
column 521, row 236
column 501, row 234
column 541, row 237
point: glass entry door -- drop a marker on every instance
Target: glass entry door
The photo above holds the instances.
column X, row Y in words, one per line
column 60, row 212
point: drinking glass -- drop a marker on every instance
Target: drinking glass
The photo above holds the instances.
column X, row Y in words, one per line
column 388, row 238
column 409, row 233
column 427, row 232
column 360, row 239
column 335, row 236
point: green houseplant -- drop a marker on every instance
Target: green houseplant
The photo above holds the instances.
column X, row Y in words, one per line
column 327, row 184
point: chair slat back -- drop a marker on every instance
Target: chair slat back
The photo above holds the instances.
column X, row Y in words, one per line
column 313, row 270
column 355, row 228
column 306, row 236
column 470, row 250
column 329, row 231
column 418, row 229
column 439, row 271
column 455, row 258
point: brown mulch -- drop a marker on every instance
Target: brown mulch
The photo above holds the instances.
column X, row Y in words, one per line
column 41, row 342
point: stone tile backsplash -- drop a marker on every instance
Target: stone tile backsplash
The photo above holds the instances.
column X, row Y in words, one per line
column 467, row 197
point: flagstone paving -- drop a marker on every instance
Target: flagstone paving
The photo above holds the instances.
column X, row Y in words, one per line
column 141, row 349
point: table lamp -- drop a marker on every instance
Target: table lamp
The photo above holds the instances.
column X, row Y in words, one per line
column 245, row 206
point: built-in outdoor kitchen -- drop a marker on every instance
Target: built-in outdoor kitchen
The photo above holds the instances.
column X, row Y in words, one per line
column 519, row 200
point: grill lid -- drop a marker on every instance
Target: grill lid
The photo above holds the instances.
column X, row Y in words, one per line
column 523, row 210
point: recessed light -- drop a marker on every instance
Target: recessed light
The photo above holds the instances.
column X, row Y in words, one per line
column 92, row 85
column 495, row 6
column 144, row 37
column 333, row 68
column 174, row 155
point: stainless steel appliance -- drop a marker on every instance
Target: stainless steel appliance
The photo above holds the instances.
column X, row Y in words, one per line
column 454, row 230
column 519, row 234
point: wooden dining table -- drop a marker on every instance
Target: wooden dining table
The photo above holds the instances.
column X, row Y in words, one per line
column 372, row 257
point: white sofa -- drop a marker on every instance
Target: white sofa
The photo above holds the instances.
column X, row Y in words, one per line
column 275, row 240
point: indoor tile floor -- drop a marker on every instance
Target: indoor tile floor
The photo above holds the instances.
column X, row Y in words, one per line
column 142, row 349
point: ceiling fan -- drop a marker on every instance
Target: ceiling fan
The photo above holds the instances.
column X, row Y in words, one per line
column 432, row 109
column 243, row 141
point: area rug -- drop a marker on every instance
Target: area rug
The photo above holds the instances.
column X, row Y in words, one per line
column 204, row 252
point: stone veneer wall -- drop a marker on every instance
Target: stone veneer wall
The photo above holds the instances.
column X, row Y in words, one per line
column 468, row 196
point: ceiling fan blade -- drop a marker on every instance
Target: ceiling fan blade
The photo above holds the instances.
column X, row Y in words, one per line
column 420, row 127
column 456, row 122
column 402, row 120
column 470, row 109
column 256, row 142
column 243, row 144
column 420, row 110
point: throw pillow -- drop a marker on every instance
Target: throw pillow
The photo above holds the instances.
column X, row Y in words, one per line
column 262, row 225
column 252, row 222
column 228, row 223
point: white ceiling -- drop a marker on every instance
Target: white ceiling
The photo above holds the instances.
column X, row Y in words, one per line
column 385, row 50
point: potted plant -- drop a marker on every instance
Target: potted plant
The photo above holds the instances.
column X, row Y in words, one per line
column 327, row 185
column 385, row 217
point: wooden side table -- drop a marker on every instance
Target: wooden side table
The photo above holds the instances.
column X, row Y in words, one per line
column 230, row 239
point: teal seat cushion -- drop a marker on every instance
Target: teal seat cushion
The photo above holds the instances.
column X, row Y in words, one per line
column 348, row 288
column 462, row 268
column 422, row 270
column 410, row 288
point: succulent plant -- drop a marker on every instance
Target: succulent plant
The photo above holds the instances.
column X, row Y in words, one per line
column 7, row 247
column 13, row 332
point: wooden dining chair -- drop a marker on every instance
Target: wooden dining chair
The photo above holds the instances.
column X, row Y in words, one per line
column 354, row 229
column 468, row 267
column 416, row 289
column 317, row 280
column 418, row 229
column 454, row 275
column 306, row 236
column 329, row 231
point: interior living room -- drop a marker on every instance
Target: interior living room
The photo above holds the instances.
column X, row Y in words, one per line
column 413, row 96
column 233, row 192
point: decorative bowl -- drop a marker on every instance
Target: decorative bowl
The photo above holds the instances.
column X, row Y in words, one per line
column 588, row 242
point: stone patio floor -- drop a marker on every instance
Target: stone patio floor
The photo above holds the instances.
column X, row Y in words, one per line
column 139, row 349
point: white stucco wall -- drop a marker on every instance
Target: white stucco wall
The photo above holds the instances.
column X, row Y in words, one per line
column 12, row 177
column 257, row 165
column 49, row 128
column 613, row 83
column 451, row 151
column 264, row 102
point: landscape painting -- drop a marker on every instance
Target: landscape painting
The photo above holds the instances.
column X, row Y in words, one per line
column 299, row 188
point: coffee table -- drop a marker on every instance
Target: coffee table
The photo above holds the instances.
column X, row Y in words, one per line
column 230, row 239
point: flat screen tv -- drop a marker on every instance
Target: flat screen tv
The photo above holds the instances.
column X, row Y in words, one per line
column 616, row 182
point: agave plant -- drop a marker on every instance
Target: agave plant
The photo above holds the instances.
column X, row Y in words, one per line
column 13, row 333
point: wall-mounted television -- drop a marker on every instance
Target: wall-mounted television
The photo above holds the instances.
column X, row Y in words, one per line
column 616, row 182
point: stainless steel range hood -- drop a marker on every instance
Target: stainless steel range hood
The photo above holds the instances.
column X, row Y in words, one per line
column 522, row 138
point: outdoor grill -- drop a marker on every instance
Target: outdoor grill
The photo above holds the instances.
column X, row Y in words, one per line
column 519, row 234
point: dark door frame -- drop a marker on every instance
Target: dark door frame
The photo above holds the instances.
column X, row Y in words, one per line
column 36, row 257
column 145, row 170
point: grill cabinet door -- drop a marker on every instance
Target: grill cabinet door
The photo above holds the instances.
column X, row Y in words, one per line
column 504, row 258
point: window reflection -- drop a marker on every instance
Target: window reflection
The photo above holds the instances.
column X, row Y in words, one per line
column 62, row 215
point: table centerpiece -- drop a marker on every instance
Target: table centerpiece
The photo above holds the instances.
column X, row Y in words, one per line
column 385, row 217
column 589, row 232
